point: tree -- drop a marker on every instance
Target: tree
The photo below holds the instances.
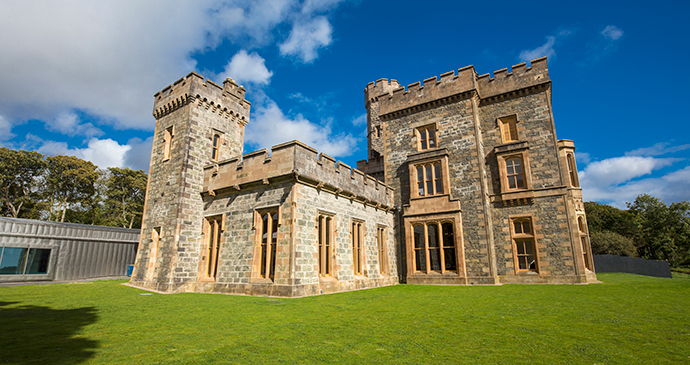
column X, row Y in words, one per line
column 19, row 171
column 611, row 243
column 69, row 184
column 126, row 191
column 664, row 232
column 603, row 217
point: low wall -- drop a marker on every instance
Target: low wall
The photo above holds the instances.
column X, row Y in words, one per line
column 631, row 265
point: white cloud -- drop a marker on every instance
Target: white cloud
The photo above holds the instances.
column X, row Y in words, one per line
column 658, row 149
column 360, row 120
column 102, row 152
column 306, row 38
column 618, row 170
column 138, row 157
column 269, row 126
column 5, row 129
column 69, row 124
column 107, row 58
column 547, row 49
column 247, row 68
column 612, row 32
column 583, row 157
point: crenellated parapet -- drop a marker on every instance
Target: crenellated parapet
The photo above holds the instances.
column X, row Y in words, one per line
column 295, row 160
column 227, row 100
column 449, row 87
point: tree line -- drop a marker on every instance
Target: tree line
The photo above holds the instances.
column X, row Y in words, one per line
column 649, row 228
column 69, row 189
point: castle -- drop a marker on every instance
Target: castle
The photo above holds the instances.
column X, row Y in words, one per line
column 466, row 183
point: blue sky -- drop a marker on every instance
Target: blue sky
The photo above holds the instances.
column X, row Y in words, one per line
column 78, row 77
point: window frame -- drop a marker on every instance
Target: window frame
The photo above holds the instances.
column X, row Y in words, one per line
column 442, row 180
column 423, row 143
column 382, row 248
column 214, row 226
column 168, row 137
column 515, row 237
column 502, row 157
column 325, row 238
column 584, row 241
column 572, row 170
column 358, row 240
column 441, row 248
column 267, row 259
column 509, row 123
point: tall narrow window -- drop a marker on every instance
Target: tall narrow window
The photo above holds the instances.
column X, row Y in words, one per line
column 572, row 172
column 153, row 250
column 357, row 247
column 167, row 142
column 429, row 179
column 427, row 137
column 269, row 241
column 216, row 147
column 514, row 173
column 435, row 246
column 509, row 129
column 525, row 250
column 214, row 229
column 381, row 245
column 584, row 241
column 324, row 260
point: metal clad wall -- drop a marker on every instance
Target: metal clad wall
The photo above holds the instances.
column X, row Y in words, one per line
column 77, row 251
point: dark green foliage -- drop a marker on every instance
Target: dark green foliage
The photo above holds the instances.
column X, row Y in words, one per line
column 611, row 243
column 19, row 177
column 126, row 191
column 70, row 183
column 603, row 217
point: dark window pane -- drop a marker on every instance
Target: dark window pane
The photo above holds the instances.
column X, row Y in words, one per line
column 518, row 227
column 431, row 133
column 37, row 261
column 420, row 174
column 12, row 261
column 449, row 257
column 273, row 260
column 518, row 167
column 420, row 185
column 520, row 181
column 511, row 182
column 422, row 134
column 448, row 237
column 419, row 236
column 520, row 247
column 525, row 227
column 433, row 235
column 435, row 258
column 430, row 187
column 263, row 260
column 439, row 187
column 420, row 259
column 437, row 171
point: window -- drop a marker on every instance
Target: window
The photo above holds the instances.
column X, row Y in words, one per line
column 21, row 260
column 584, row 241
column 214, row 229
column 378, row 131
column 381, row 236
column 167, row 142
column 515, row 173
column 269, row 242
column 427, row 137
column 434, row 247
column 216, row 147
column 429, row 179
column 572, row 170
column 357, row 247
column 509, row 128
column 325, row 223
column 153, row 249
column 524, row 245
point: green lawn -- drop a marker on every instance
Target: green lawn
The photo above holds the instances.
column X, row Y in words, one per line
column 628, row 319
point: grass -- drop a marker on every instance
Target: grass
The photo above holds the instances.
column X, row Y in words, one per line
column 628, row 319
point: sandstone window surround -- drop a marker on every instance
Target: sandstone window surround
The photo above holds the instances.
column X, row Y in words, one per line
column 326, row 230
column 214, row 226
column 266, row 242
column 429, row 173
column 217, row 141
column 153, row 249
column 381, row 237
column 357, row 235
column 525, row 254
column 572, row 171
column 514, row 170
column 584, row 241
column 434, row 247
column 426, row 137
column 508, row 127
column 168, row 135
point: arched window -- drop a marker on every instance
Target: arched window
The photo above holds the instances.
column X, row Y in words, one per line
column 572, row 171
column 216, row 147
column 269, row 241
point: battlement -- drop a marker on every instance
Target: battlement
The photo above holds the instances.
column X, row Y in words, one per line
column 228, row 99
column 296, row 160
column 450, row 84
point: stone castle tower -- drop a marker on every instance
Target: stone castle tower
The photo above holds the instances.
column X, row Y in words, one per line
column 195, row 119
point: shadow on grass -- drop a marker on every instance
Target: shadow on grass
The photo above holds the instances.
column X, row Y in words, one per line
column 42, row 335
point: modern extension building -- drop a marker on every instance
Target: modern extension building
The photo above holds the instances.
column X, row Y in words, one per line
column 466, row 183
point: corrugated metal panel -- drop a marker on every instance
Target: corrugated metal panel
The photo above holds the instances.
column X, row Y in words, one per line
column 80, row 251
